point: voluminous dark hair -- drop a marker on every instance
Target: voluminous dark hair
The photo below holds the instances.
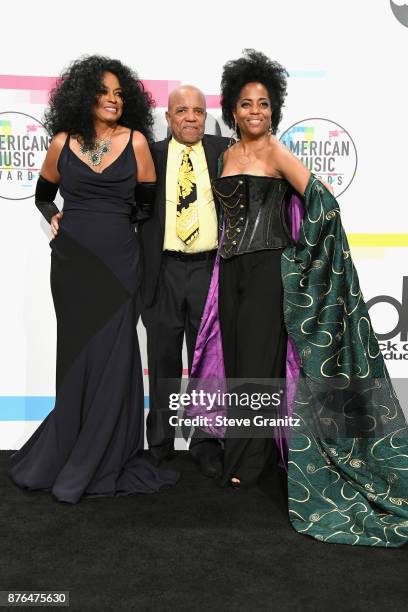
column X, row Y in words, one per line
column 73, row 98
column 253, row 67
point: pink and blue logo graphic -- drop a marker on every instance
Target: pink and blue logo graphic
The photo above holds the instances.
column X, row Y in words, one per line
column 23, row 145
column 326, row 148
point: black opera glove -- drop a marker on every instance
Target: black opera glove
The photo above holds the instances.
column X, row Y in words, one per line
column 45, row 193
column 144, row 195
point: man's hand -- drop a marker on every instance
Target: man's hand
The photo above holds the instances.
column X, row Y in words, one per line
column 55, row 224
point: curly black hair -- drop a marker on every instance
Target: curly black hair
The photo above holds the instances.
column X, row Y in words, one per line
column 73, row 98
column 253, row 67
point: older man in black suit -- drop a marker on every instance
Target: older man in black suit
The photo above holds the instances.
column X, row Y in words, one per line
column 179, row 244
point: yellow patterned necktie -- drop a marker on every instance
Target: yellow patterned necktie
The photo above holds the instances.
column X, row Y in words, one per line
column 187, row 212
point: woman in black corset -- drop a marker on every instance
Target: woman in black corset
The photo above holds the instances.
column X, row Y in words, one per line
column 89, row 445
column 258, row 174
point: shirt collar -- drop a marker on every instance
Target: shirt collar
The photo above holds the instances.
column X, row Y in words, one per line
column 179, row 148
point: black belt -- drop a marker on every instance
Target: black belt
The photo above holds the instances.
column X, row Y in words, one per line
column 201, row 256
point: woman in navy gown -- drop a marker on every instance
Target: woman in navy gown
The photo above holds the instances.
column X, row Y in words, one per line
column 100, row 119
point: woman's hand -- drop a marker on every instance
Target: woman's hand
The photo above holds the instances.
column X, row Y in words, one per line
column 55, row 224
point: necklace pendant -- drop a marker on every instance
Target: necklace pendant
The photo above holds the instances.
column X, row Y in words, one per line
column 95, row 158
column 95, row 154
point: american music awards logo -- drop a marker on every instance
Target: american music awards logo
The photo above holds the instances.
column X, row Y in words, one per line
column 326, row 148
column 23, row 146
column 400, row 10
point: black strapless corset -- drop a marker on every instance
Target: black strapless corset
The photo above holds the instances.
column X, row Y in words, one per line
column 254, row 209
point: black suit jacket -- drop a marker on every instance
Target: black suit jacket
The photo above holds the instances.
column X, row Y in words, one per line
column 151, row 231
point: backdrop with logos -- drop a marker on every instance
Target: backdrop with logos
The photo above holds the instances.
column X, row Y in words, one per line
column 344, row 117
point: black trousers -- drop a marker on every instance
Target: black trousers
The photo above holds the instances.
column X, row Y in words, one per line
column 175, row 313
column 254, row 343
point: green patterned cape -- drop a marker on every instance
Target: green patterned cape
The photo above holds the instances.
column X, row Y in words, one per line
column 348, row 458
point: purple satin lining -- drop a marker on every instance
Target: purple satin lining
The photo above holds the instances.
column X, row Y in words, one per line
column 282, row 434
column 208, row 363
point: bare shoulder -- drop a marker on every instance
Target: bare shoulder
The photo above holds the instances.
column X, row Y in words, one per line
column 289, row 166
column 58, row 142
column 226, row 154
column 49, row 168
column 232, row 152
column 139, row 141
column 279, row 150
column 145, row 165
column 281, row 154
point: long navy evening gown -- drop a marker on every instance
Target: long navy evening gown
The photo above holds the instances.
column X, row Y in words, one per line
column 90, row 443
